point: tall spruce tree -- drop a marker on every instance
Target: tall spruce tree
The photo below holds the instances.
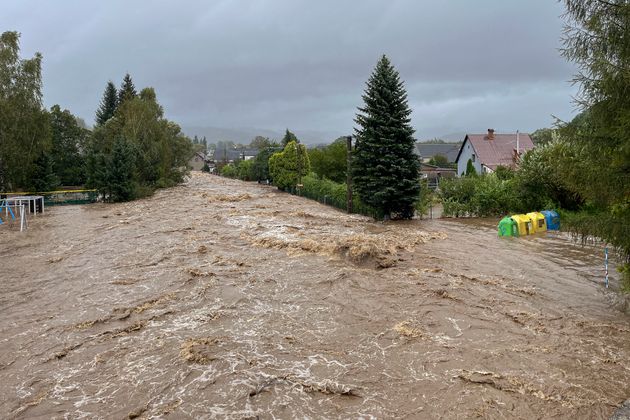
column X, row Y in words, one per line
column 120, row 169
column 127, row 89
column 108, row 105
column 385, row 169
column 288, row 137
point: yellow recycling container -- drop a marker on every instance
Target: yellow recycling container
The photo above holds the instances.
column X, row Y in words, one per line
column 539, row 223
column 524, row 224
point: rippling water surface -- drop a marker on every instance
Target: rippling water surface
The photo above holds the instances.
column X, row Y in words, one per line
column 223, row 299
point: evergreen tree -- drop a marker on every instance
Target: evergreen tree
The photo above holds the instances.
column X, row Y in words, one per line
column 108, row 105
column 288, row 137
column 289, row 166
column 470, row 168
column 127, row 90
column 385, row 168
column 44, row 178
column 119, row 175
column 195, row 140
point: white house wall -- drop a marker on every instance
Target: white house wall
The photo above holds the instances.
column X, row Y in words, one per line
column 467, row 153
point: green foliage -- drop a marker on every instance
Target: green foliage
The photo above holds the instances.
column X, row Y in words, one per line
column 44, row 178
column 596, row 159
column 427, row 198
column 245, row 170
column 543, row 136
column 470, row 168
column 260, row 164
column 539, row 182
column 484, row 195
column 68, row 145
column 385, row 168
column 24, row 125
column 289, row 166
column 161, row 150
column 108, row 104
column 229, row 171
column 330, row 161
column 288, row 137
column 504, row 173
column 439, row 160
column 127, row 90
column 120, row 172
column 260, row 142
column 333, row 194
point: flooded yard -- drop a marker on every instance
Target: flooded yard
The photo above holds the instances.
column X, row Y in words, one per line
column 224, row 299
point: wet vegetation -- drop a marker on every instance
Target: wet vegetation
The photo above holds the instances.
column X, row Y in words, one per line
column 582, row 167
column 132, row 150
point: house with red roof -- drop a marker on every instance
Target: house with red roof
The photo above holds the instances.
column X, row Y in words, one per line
column 488, row 151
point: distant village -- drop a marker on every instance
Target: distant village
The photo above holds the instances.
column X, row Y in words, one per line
column 439, row 159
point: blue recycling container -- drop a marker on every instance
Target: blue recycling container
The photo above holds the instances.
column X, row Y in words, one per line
column 552, row 218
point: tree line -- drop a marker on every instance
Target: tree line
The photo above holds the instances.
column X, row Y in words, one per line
column 384, row 169
column 132, row 149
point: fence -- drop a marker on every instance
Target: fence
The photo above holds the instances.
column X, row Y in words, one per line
column 330, row 200
column 62, row 197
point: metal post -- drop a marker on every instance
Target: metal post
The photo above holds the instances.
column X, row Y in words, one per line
column 22, row 219
column 606, row 264
column 349, row 175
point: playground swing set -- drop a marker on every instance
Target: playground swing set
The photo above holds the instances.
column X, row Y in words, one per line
column 8, row 211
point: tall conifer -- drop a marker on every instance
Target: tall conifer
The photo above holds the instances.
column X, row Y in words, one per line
column 127, row 89
column 385, row 168
column 108, row 104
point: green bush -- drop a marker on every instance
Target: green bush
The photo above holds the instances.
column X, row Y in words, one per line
column 484, row 195
column 333, row 194
column 245, row 170
column 287, row 167
column 229, row 171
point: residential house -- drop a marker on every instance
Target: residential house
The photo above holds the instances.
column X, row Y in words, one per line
column 426, row 151
column 197, row 161
column 488, row 151
column 230, row 155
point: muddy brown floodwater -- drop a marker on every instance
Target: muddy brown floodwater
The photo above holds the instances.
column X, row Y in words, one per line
column 224, row 299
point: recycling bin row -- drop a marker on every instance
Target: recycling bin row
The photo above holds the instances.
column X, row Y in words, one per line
column 527, row 224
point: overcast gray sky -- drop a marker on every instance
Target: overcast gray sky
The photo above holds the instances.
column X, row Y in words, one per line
column 467, row 65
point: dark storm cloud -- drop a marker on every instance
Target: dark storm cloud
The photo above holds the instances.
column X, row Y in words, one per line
column 303, row 64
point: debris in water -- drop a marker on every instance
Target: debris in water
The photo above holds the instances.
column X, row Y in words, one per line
column 228, row 198
column 198, row 350
column 328, row 386
column 405, row 328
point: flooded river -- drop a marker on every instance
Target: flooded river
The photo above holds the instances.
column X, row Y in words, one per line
column 224, row 299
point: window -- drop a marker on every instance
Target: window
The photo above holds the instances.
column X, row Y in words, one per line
column 473, row 157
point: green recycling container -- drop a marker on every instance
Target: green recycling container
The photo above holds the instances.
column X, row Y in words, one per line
column 508, row 227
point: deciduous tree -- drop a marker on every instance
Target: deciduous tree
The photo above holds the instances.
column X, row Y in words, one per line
column 24, row 126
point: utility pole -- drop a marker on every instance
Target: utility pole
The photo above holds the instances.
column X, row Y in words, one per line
column 349, row 175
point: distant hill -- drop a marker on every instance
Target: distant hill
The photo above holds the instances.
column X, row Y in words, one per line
column 246, row 134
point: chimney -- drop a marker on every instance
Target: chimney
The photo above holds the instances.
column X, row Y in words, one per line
column 490, row 133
